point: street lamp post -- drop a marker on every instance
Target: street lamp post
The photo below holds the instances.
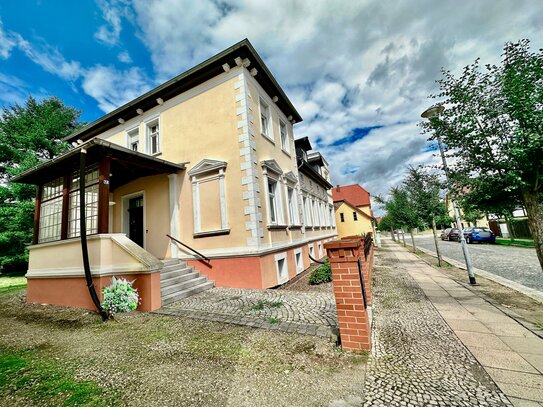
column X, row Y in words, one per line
column 430, row 113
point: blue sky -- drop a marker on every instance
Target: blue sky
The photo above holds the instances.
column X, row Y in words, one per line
column 358, row 72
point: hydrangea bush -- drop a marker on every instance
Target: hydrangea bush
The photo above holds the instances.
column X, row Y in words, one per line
column 120, row 296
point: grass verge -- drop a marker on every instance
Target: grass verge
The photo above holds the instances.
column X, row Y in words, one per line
column 8, row 284
column 521, row 243
column 41, row 380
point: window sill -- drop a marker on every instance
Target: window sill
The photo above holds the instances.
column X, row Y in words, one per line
column 156, row 154
column 270, row 139
column 211, row 233
column 295, row 227
column 286, row 152
column 273, row 227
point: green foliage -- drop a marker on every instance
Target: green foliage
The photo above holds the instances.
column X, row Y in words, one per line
column 120, row 296
column 493, row 126
column 43, row 381
column 322, row 274
column 400, row 209
column 424, row 193
column 29, row 134
column 261, row 304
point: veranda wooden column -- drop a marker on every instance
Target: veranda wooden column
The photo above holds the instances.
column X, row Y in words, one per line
column 104, row 167
column 36, row 234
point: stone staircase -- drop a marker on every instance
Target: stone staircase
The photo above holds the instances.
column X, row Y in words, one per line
column 178, row 281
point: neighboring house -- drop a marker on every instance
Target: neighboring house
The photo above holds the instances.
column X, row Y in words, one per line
column 353, row 212
column 208, row 158
column 316, row 200
column 482, row 221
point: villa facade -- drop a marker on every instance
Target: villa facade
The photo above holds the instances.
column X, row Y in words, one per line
column 208, row 159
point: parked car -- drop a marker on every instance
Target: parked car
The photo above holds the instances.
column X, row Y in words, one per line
column 450, row 234
column 479, row 234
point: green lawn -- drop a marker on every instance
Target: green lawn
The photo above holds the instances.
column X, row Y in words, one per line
column 11, row 283
column 517, row 242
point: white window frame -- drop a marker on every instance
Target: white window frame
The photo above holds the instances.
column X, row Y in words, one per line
column 319, row 247
column 266, row 131
column 311, row 250
column 148, row 124
column 282, row 273
column 272, row 200
column 131, row 134
column 299, row 262
column 205, row 171
column 307, row 211
column 271, row 171
column 285, row 145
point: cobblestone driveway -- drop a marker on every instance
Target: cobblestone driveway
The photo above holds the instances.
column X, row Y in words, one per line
column 513, row 263
column 419, row 360
column 311, row 313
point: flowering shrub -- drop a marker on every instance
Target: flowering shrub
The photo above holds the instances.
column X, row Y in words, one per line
column 120, row 296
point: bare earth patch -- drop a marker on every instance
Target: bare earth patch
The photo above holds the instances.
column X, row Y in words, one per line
column 148, row 359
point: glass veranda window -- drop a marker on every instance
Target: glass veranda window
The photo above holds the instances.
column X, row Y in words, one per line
column 91, row 202
column 51, row 211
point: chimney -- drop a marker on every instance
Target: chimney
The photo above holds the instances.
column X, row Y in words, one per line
column 338, row 188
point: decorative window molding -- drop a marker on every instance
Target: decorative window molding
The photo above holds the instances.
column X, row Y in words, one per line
column 274, row 196
column 205, row 171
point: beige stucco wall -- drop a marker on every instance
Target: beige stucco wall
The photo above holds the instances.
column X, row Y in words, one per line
column 156, row 212
column 351, row 227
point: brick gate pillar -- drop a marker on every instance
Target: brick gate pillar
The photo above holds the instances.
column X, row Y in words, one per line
column 352, row 314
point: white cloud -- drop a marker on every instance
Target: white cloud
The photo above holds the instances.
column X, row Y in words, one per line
column 12, row 89
column 112, row 88
column 7, row 42
column 124, row 57
column 50, row 59
column 112, row 12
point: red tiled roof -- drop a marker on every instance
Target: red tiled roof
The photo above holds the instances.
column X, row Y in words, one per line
column 355, row 194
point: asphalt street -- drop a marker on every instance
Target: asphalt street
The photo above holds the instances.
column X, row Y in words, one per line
column 518, row 264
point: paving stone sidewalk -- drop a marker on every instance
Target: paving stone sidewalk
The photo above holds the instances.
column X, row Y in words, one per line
column 510, row 354
column 309, row 313
column 418, row 360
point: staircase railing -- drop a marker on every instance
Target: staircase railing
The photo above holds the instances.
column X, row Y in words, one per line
column 190, row 248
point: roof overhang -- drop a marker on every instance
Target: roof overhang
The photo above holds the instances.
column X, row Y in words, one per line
column 126, row 165
column 308, row 170
column 201, row 73
column 303, row 143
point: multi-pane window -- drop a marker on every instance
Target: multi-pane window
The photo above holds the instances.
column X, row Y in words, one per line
column 133, row 139
column 307, row 211
column 51, row 211
column 272, row 199
column 292, row 206
column 355, row 216
column 265, row 118
column 91, row 202
column 316, row 220
column 284, row 136
column 153, row 137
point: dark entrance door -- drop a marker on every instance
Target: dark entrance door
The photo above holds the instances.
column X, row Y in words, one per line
column 135, row 220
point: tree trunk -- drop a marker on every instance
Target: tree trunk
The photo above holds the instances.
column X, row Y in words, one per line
column 413, row 241
column 435, row 241
column 392, row 234
column 509, row 228
column 534, row 209
column 403, row 237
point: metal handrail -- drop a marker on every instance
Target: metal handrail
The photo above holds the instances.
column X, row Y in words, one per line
column 188, row 247
column 315, row 260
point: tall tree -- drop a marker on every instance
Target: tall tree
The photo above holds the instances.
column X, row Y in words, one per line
column 28, row 134
column 424, row 192
column 493, row 125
